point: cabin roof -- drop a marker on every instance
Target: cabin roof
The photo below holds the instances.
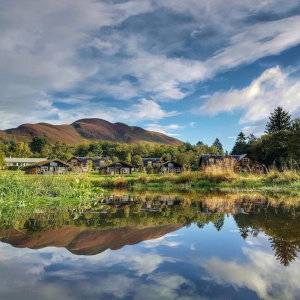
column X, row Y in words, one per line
column 119, row 164
column 83, row 159
column 24, row 159
column 46, row 162
column 176, row 165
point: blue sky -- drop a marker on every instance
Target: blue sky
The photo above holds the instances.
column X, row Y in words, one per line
column 193, row 69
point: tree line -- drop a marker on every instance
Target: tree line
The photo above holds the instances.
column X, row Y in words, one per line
column 279, row 146
column 185, row 154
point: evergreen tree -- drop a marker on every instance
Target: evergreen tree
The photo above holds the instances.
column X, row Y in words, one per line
column 37, row 144
column 240, row 146
column 219, row 146
column 251, row 138
column 278, row 120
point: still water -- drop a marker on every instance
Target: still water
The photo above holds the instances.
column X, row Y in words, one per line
column 156, row 247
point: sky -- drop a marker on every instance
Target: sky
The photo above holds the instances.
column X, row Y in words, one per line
column 192, row 69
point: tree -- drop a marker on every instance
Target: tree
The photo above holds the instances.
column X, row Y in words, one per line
column 137, row 161
column 96, row 149
column 219, row 146
column 278, row 120
column 82, row 150
column 251, row 138
column 2, row 160
column 240, row 146
column 23, row 150
column 37, row 144
column 200, row 143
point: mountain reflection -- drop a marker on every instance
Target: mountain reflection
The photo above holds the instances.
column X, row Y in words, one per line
column 123, row 219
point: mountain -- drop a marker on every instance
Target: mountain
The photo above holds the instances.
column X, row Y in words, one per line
column 85, row 241
column 87, row 130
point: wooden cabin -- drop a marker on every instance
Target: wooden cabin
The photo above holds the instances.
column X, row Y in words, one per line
column 240, row 163
column 151, row 164
column 209, row 160
column 48, row 167
column 171, row 167
column 20, row 162
column 118, row 168
column 85, row 164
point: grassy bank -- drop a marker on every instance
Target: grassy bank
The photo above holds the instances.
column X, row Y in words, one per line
column 209, row 180
column 36, row 201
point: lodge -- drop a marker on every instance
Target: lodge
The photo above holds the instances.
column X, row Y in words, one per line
column 209, row 159
column 20, row 162
column 117, row 168
column 171, row 167
column 48, row 167
column 85, row 164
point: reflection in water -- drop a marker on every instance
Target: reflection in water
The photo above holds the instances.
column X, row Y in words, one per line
column 152, row 247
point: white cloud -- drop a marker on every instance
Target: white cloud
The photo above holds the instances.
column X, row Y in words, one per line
column 261, row 274
column 144, row 109
column 274, row 87
column 65, row 45
column 170, row 129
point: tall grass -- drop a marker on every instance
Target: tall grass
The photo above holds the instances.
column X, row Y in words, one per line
column 210, row 179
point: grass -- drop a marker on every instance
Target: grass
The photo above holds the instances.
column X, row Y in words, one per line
column 211, row 179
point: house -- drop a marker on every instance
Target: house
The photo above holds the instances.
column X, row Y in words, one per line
column 151, row 161
column 151, row 164
column 20, row 162
column 99, row 162
column 240, row 163
column 117, row 168
column 209, row 159
column 171, row 167
column 48, row 167
column 84, row 164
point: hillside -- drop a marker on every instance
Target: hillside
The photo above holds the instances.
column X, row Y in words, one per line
column 85, row 241
column 87, row 130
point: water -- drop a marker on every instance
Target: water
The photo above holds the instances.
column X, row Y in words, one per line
column 157, row 247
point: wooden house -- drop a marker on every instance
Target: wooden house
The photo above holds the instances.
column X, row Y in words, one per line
column 151, row 164
column 171, row 167
column 151, row 161
column 48, row 167
column 85, row 164
column 209, row 160
column 117, row 168
column 20, row 162
column 240, row 163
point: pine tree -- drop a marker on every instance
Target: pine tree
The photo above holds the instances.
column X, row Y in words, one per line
column 219, row 146
column 240, row 146
column 278, row 120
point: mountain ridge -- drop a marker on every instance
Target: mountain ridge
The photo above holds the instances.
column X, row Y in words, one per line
column 84, row 130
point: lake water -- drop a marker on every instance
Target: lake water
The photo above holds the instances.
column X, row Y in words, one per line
column 157, row 247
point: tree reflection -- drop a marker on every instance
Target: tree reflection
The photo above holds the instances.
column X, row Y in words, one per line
column 285, row 251
column 278, row 221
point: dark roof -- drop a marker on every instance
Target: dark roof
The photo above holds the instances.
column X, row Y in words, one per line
column 176, row 165
column 119, row 164
column 82, row 159
column 46, row 162
column 150, row 159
